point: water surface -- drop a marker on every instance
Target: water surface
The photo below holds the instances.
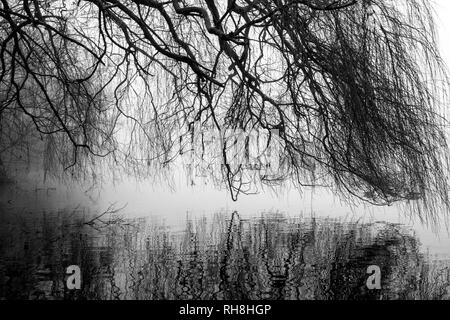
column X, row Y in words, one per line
column 219, row 256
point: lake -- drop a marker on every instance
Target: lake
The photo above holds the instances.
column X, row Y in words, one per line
column 137, row 253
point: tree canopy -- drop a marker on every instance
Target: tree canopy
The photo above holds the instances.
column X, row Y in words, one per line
column 354, row 89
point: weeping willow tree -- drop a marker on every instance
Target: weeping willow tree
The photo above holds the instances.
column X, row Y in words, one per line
column 351, row 92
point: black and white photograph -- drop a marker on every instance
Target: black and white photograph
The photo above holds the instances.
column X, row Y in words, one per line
column 232, row 150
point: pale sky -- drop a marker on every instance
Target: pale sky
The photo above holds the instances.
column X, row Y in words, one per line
column 442, row 8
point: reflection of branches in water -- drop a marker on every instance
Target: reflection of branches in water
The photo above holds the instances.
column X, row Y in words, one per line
column 42, row 245
column 270, row 257
column 97, row 222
